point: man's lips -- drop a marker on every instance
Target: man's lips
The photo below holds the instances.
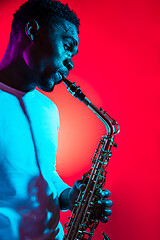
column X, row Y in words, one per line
column 56, row 77
column 64, row 73
column 59, row 78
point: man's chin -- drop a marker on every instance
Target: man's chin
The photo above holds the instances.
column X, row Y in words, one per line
column 50, row 89
column 46, row 85
column 59, row 82
column 47, row 89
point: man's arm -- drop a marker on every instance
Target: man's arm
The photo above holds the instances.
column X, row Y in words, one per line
column 69, row 195
column 64, row 200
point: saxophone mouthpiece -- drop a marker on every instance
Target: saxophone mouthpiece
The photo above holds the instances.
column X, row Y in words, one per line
column 74, row 90
column 66, row 82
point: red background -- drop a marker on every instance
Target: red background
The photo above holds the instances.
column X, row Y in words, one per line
column 118, row 68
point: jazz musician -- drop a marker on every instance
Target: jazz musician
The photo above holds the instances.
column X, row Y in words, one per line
column 43, row 41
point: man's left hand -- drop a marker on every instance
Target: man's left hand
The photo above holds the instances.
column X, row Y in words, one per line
column 102, row 207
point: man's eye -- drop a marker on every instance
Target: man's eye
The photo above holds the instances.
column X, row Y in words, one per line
column 67, row 47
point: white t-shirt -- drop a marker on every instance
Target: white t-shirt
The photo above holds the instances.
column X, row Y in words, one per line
column 29, row 184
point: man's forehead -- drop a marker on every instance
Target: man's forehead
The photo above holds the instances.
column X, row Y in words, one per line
column 68, row 29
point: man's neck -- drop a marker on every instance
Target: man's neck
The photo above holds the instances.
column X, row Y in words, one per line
column 14, row 71
column 17, row 75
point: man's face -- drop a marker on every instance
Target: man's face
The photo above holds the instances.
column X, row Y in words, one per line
column 50, row 56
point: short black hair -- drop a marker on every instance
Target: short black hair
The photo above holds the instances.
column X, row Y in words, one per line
column 43, row 11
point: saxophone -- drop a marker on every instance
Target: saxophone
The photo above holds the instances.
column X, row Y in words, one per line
column 83, row 221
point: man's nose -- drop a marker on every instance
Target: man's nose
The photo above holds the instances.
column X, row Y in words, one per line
column 68, row 63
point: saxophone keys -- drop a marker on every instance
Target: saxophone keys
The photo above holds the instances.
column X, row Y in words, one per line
column 114, row 144
column 105, row 237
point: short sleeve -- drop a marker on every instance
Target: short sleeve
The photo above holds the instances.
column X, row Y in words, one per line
column 58, row 183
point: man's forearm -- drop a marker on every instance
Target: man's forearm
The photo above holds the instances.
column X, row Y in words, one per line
column 68, row 196
column 64, row 200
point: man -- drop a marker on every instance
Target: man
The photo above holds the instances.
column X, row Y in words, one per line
column 43, row 41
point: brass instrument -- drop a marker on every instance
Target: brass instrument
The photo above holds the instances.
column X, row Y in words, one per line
column 83, row 221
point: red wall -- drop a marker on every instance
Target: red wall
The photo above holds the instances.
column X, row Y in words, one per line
column 118, row 68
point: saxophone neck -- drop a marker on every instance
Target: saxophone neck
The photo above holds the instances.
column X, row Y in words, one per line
column 111, row 125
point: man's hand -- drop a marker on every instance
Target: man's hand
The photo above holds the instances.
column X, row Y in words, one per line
column 103, row 205
column 102, row 210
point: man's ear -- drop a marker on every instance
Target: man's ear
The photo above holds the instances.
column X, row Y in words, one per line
column 31, row 29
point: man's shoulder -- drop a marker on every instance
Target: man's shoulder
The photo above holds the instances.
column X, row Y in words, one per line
column 46, row 102
column 6, row 97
